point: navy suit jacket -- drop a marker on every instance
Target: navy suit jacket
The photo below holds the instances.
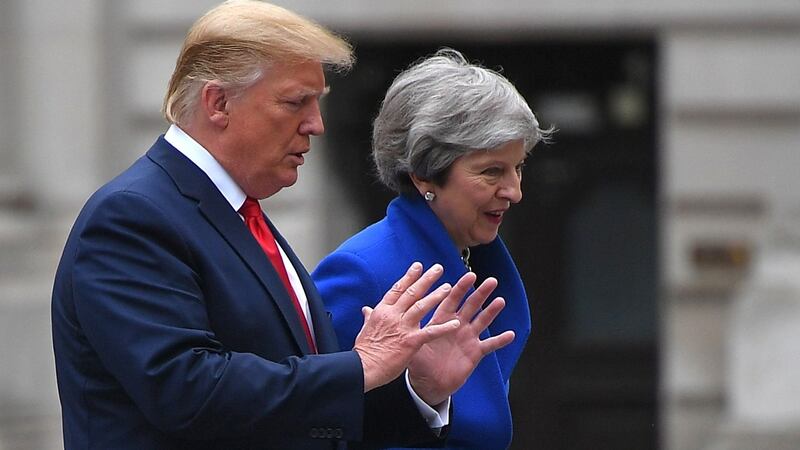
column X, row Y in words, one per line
column 370, row 261
column 172, row 330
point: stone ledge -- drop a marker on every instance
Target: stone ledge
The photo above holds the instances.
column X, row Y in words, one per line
column 743, row 437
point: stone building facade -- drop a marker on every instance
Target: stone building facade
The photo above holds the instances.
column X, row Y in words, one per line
column 81, row 84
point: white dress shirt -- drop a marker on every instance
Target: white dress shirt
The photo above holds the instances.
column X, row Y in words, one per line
column 436, row 418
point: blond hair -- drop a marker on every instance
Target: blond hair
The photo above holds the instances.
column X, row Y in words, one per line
column 236, row 41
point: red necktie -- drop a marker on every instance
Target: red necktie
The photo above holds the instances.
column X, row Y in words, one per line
column 253, row 218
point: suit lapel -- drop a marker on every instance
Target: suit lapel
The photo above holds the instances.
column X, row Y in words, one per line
column 323, row 330
column 195, row 184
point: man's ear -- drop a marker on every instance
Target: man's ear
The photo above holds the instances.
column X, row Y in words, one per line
column 422, row 186
column 214, row 103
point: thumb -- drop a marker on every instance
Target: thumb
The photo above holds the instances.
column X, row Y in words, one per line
column 367, row 312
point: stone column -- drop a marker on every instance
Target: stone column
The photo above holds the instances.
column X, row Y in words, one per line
column 49, row 129
column 763, row 353
column 58, row 122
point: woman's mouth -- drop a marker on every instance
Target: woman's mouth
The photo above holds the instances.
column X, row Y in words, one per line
column 495, row 216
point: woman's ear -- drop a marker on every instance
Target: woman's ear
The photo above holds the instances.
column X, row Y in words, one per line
column 423, row 186
column 214, row 103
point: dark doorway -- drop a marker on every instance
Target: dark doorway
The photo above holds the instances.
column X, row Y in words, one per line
column 584, row 236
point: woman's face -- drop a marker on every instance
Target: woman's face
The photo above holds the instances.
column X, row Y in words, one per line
column 480, row 188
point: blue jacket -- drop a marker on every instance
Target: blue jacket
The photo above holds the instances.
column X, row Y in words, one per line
column 172, row 330
column 366, row 265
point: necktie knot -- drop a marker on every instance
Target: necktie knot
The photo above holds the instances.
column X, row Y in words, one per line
column 250, row 209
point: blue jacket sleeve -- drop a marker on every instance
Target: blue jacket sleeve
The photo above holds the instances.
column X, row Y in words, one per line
column 346, row 283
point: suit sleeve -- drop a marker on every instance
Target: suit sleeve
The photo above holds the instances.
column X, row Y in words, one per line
column 140, row 303
column 346, row 283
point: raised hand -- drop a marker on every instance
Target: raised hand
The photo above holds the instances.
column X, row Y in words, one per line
column 391, row 334
column 443, row 365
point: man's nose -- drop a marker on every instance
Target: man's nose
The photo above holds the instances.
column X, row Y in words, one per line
column 313, row 124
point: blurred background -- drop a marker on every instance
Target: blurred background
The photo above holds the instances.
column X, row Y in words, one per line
column 659, row 236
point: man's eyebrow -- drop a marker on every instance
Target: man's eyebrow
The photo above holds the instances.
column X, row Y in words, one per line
column 313, row 92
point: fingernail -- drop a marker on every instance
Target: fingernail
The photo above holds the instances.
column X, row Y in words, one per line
column 446, row 287
column 416, row 265
column 437, row 267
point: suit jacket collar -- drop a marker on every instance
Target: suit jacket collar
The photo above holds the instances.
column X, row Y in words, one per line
column 413, row 221
column 195, row 184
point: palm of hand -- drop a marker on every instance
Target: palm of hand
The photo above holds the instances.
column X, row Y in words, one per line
column 443, row 365
column 391, row 334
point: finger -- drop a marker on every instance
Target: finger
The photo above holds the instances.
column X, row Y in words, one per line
column 419, row 287
column 497, row 342
column 449, row 305
column 433, row 332
column 419, row 309
column 477, row 298
column 399, row 288
column 487, row 316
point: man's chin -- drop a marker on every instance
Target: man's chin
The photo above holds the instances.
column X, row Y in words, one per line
column 289, row 180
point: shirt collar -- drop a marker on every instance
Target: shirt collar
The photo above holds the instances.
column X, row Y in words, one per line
column 206, row 162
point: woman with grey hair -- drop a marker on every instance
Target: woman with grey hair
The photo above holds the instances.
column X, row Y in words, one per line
column 451, row 139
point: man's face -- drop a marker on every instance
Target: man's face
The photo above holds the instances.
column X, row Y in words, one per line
column 269, row 128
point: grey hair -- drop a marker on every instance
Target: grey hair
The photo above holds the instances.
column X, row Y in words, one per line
column 440, row 109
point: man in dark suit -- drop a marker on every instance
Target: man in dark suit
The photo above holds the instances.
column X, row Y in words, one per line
column 181, row 317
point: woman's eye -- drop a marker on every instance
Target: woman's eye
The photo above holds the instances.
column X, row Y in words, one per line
column 492, row 171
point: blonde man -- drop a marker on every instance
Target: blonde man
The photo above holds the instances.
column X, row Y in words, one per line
column 182, row 318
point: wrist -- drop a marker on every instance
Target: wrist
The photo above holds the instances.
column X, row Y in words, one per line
column 371, row 378
column 426, row 391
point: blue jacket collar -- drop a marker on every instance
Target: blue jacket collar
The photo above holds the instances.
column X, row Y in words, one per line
column 413, row 221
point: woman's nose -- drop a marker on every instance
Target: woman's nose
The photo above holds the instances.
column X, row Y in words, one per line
column 512, row 188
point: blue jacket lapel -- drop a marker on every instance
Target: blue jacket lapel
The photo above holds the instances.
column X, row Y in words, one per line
column 494, row 260
column 412, row 220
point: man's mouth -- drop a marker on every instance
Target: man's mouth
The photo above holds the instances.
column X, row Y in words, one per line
column 298, row 157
